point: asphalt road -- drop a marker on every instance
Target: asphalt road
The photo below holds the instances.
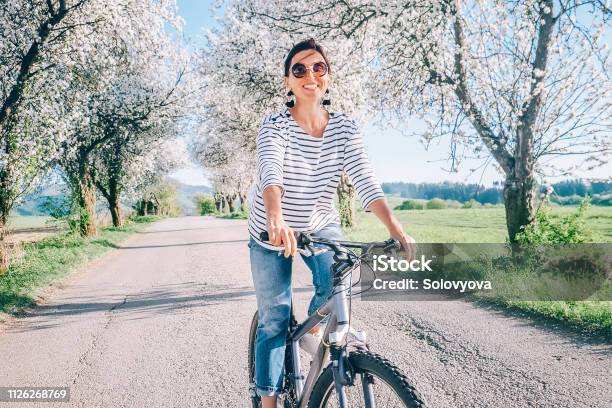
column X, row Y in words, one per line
column 163, row 322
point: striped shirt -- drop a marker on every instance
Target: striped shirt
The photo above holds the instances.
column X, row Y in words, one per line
column 308, row 170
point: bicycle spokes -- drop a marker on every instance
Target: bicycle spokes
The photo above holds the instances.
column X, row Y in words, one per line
column 365, row 392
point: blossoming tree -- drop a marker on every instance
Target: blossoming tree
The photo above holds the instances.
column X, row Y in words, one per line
column 525, row 82
column 241, row 70
column 74, row 74
column 32, row 77
column 129, row 85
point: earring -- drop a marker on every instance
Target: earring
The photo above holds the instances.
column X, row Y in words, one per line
column 290, row 102
column 326, row 101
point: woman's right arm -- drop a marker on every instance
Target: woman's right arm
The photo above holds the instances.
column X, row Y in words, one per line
column 280, row 233
column 270, row 156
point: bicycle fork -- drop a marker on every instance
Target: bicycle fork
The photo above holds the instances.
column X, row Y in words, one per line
column 344, row 374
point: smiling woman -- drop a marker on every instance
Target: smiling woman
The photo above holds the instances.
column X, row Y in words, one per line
column 302, row 152
column 308, row 81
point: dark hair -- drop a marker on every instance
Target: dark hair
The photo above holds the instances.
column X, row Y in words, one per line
column 309, row 44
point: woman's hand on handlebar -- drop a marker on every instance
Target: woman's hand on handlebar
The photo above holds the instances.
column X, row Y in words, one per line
column 408, row 243
column 381, row 209
column 282, row 235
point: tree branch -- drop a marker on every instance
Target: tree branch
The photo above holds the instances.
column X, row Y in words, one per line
column 474, row 114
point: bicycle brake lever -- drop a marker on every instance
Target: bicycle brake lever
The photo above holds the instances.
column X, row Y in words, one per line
column 313, row 250
column 308, row 250
column 393, row 246
column 303, row 252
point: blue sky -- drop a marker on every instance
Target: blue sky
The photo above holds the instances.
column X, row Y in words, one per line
column 394, row 156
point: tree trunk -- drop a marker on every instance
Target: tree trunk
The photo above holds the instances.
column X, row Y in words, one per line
column 243, row 200
column 346, row 198
column 218, row 203
column 5, row 208
column 231, row 202
column 152, row 205
column 7, row 195
column 114, row 192
column 13, row 97
column 223, row 203
column 4, row 248
column 520, row 203
column 87, row 202
column 519, row 189
column 111, row 193
column 115, row 210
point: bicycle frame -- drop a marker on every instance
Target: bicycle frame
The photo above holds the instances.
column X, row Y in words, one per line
column 336, row 331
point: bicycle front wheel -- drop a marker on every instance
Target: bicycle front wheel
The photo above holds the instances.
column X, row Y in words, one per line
column 375, row 377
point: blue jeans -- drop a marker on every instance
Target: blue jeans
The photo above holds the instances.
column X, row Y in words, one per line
column 272, row 279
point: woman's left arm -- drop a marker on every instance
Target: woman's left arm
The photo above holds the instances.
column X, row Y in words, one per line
column 381, row 209
column 358, row 168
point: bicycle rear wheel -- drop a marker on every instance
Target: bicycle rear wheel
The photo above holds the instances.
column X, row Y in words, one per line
column 389, row 387
column 255, row 399
column 287, row 395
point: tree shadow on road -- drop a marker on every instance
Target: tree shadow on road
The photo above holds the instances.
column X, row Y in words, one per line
column 223, row 227
column 184, row 244
column 168, row 299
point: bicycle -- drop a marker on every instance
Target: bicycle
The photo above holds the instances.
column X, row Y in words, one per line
column 355, row 377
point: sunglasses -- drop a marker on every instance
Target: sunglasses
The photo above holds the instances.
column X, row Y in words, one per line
column 299, row 70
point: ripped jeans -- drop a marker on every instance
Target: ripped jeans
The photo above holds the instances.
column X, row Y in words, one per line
column 272, row 279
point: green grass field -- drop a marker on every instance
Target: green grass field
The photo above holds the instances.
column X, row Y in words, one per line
column 488, row 225
column 480, row 225
column 19, row 222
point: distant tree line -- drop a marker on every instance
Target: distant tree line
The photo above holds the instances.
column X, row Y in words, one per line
column 446, row 191
column 580, row 187
column 494, row 195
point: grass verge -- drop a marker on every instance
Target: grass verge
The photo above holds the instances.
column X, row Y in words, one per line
column 236, row 215
column 515, row 289
column 50, row 259
column 590, row 318
column 487, row 225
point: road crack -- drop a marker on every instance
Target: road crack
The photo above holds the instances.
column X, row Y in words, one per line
column 86, row 359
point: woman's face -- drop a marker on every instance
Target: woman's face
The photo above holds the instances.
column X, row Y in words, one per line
column 310, row 86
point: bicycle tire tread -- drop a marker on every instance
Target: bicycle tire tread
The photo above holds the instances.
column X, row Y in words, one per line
column 371, row 359
column 255, row 401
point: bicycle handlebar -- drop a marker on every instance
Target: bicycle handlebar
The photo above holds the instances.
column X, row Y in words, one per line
column 304, row 240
